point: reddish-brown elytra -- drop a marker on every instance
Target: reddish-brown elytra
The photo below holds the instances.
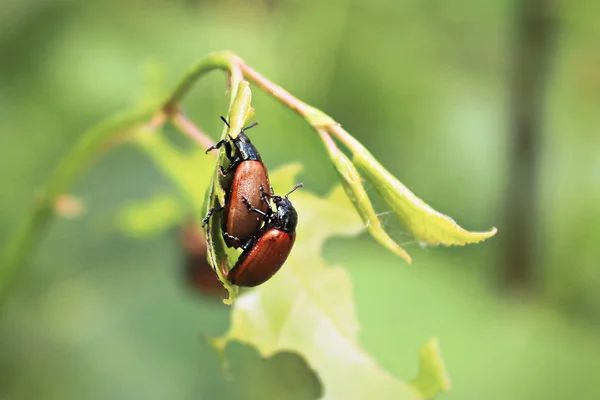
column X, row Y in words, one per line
column 250, row 179
column 265, row 253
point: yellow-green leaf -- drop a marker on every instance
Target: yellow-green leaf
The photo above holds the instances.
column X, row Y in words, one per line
column 423, row 222
column 432, row 377
column 308, row 306
column 239, row 112
column 241, row 109
column 352, row 183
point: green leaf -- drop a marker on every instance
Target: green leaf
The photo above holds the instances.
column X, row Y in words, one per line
column 352, row 183
column 432, row 377
column 239, row 112
column 308, row 308
column 423, row 222
column 241, row 109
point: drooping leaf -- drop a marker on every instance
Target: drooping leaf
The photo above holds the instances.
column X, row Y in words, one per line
column 432, row 377
column 423, row 222
column 352, row 184
column 308, row 308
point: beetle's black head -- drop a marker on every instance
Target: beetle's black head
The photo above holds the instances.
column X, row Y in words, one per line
column 286, row 217
column 245, row 147
column 242, row 142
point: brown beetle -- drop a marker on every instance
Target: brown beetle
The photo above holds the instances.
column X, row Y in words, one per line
column 265, row 253
column 250, row 179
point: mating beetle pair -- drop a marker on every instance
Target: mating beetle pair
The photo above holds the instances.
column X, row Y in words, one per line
column 265, row 247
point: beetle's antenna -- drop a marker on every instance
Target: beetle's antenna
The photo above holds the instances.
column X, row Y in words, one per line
column 299, row 185
column 224, row 120
column 252, row 125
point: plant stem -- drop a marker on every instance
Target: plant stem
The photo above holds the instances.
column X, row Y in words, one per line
column 347, row 139
column 185, row 125
column 276, row 91
column 327, row 140
column 223, row 60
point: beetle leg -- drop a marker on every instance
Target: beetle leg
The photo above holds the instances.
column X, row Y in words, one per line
column 256, row 210
column 234, row 238
column 210, row 212
column 217, row 145
column 264, row 196
column 229, row 151
column 232, row 165
column 249, row 243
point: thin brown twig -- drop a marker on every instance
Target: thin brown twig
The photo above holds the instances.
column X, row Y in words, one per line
column 185, row 125
column 275, row 90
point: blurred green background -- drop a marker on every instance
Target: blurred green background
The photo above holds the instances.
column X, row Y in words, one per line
column 424, row 85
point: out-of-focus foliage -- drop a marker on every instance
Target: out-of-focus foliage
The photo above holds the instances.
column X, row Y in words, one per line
column 432, row 377
column 103, row 315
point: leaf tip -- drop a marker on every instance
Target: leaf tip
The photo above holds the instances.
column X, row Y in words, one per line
column 433, row 377
column 477, row 237
column 399, row 251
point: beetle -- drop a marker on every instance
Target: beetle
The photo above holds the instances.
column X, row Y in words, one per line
column 249, row 180
column 264, row 254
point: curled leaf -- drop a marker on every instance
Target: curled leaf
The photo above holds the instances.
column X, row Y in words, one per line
column 352, row 184
column 217, row 255
column 423, row 222
column 239, row 112
column 241, row 109
column 432, row 377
